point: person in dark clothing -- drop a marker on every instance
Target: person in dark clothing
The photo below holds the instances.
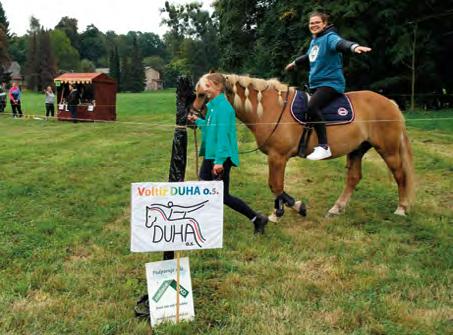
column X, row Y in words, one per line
column 14, row 99
column 219, row 144
column 73, row 100
column 2, row 97
column 326, row 79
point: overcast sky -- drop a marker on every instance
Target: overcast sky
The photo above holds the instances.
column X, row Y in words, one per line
column 120, row 16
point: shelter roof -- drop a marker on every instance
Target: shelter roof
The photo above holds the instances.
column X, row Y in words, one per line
column 83, row 78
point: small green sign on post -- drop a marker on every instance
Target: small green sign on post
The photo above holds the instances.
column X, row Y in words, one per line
column 162, row 286
column 169, row 283
column 57, row 83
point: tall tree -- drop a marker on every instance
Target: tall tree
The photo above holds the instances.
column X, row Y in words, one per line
column 93, row 45
column 67, row 57
column 32, row 65
column 192, row 41
column 114, row 62
column 47, row 65
column 4, row 56
column 69, row 26
column 137, row 70
column 4, row 24
column 40, row 65
column 150, row 44
column 237, row 24
column 35, row 26
column 126, row 77
column 18, row 49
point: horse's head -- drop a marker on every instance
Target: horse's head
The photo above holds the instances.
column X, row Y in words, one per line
column 152, row 215
column 201, row 97
column 217, row 82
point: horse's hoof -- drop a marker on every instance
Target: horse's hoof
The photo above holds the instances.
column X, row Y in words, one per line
column 300, row 208
column 334, row 211
column 330, row 215
column 400, row 211
column 273, row 218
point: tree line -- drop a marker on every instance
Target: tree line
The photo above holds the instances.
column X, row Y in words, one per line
column 412, row 41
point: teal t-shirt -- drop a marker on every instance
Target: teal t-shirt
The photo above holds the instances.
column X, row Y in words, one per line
column 219, row 139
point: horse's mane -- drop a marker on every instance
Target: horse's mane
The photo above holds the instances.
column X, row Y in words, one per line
column 258, row 84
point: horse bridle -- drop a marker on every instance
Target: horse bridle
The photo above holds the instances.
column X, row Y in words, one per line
column 199, row 111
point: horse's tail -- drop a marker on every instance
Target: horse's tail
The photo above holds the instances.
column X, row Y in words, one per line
column 407, row 165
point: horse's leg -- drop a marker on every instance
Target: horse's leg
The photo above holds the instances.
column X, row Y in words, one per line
column 396, row 166
column 277, row 165
column 289, row 201
column 354, row 174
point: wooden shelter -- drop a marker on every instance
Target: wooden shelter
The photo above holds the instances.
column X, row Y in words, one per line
column 97, row 93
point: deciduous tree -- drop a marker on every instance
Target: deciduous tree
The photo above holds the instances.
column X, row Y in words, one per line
column 67, row 57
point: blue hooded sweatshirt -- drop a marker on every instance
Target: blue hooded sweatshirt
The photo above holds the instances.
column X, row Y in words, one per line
column 326, row 62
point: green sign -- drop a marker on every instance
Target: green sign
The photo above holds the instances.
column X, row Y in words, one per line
column 163, row 287
column 182, row 290
column 57, row 83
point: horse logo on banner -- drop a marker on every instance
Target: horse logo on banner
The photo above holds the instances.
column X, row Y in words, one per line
column 172, row 223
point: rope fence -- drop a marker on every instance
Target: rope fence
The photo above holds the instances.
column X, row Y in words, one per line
column 41, row 117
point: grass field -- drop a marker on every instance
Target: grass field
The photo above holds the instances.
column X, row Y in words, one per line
column 66, row 268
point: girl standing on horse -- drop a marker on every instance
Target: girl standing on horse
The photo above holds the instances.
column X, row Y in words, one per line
column 219, row 143
column 326, row 79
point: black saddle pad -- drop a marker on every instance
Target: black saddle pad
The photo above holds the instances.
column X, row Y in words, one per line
column 339, row 111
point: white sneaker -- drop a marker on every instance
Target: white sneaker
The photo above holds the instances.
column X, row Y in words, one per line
column 319, row 153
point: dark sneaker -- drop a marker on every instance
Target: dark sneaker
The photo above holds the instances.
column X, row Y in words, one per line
column 260, row 222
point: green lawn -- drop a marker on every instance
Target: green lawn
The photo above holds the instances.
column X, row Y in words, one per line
column 66, row 268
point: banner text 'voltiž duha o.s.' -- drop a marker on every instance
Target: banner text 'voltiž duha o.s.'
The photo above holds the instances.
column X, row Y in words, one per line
column 176, row 216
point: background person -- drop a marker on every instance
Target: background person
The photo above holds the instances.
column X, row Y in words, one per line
column 219, row 145
column 14, row 99
column 2, row 97
column 50, row 101
column 73, row 100
column 326, row 79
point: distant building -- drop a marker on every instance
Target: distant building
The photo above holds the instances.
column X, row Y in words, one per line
column 15, row 72
column 104, row 70
column 153, row 81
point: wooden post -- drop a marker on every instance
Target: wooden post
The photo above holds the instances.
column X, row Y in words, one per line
column 196, row 150
column 177, row 284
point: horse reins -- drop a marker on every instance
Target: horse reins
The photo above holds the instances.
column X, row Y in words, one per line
column 285, row 103
column 198, row 112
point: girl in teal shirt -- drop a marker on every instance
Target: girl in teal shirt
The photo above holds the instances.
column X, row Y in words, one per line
column 219, row 144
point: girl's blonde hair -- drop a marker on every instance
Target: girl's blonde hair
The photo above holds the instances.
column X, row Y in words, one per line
column 216, row 78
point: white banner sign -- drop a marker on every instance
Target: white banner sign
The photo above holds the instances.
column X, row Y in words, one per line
column 161, row 279
column 176, row 216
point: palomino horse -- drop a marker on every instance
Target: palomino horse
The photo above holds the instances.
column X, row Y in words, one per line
column 378, row 123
